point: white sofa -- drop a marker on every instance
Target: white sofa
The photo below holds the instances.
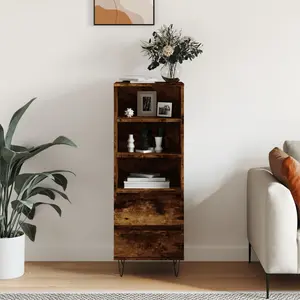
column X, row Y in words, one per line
column 272, row 221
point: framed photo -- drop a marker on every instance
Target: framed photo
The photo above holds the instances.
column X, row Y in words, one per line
column 124, row 12
column 164, row 109
column 146, row 104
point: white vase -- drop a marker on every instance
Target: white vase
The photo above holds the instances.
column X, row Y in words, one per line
column 130, row 144
column 12, row 257
column 158, row 142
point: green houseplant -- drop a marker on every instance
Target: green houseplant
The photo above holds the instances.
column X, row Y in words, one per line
column 17, row 191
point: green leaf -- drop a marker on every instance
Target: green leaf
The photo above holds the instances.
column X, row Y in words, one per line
column 54, row 206
column 24, row 209
column 62, row 140
column 21, row 181
column 61, row 180
column 60, row 193
column 2, row 141
column 42, row 191
column 17, row 148
column 19, row 204
column 29, row 230
column 14, row 122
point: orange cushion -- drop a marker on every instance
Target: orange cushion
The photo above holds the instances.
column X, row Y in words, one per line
column 286, row 169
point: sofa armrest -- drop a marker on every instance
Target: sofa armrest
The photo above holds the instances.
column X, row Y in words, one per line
column 272, row 222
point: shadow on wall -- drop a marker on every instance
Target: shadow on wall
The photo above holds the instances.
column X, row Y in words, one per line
column 218, row 221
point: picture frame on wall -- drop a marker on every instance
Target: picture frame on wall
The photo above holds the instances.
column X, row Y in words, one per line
column 164, row 109
column 146, row 103
column 124, row 12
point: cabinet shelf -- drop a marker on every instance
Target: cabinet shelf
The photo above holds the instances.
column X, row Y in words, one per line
column 148, row 155
column 138, row 191
column 148, row 120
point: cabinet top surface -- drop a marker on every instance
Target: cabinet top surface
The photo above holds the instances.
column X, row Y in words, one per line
column 137, row 84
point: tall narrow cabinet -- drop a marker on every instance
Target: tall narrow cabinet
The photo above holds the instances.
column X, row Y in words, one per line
column 149, row 223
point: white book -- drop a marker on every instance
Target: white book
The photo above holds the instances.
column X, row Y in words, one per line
column 143, row 179
column 146, row 185
column 145, row 175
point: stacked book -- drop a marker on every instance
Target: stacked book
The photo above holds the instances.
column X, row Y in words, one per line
column 146, row 181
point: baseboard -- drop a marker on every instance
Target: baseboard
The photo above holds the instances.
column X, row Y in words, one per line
column 217, row 253
column 105, row 253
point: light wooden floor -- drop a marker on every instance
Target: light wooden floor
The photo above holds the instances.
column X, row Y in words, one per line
column 103, row 276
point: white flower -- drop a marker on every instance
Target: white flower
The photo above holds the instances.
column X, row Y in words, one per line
column 168, row 51
column 129, row 112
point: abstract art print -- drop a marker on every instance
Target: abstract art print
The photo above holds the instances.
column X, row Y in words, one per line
column 124, row 12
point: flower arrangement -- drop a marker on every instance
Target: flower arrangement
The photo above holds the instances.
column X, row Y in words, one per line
column 169, row 47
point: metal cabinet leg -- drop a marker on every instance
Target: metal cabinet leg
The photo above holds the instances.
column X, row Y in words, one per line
column 267, row 286
column 249, row 253
column 121, row 266
column 176, row 265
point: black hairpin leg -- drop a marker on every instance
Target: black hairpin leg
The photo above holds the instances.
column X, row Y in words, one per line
column 267, row 286
column 121, row 266
column 176, row 265
column 249, row 253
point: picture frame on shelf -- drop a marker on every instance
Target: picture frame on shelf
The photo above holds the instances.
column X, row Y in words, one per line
column 146, row 103
column 164, row 109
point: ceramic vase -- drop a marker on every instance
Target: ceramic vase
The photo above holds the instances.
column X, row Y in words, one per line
column 158, row 142
column 130, row 144
column 12, row 257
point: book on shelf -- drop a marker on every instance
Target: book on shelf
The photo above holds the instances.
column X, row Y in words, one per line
column 145, row 179
column 138, row 79
column 146, row 185
column 145, row 175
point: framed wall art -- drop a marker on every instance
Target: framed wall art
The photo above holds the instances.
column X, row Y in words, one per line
column 146, row 103
column 124, row 12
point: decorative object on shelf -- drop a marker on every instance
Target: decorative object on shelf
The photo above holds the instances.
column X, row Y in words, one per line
column 129, row 112
column 144, row 139
column 158, row 142
column 130, row 144
column 146, row 103
column 164, row 109
column 123, row 12
column 18, row 207
column 169, row 48
column 150, row 150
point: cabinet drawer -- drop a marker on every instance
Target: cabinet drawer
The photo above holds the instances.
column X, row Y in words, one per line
column 148, row 244
column 149, row 210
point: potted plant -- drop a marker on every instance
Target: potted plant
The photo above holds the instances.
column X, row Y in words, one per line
column 17, row 191
column 169, row 48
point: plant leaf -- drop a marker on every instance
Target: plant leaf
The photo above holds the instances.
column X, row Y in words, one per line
column 2, row 141
column 14, row 122
column 42, row 191
column 29, row 230
column 25, row 210
column 60, row 193
column 61, row 180
column 54, row 206
column 62, row 140
column 17, row 148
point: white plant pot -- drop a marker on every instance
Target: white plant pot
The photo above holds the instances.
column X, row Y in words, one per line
column 12, row 257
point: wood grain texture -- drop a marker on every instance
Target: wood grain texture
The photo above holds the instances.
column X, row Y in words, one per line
column 137, row 209
column 145, row 276
column 149, row 210
column 146, row 244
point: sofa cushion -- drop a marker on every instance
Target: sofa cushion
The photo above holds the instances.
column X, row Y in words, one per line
column 292, row 148
column 286, row 169
column 276, row 158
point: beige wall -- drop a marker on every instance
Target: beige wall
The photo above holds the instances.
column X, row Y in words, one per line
column 242, row 98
